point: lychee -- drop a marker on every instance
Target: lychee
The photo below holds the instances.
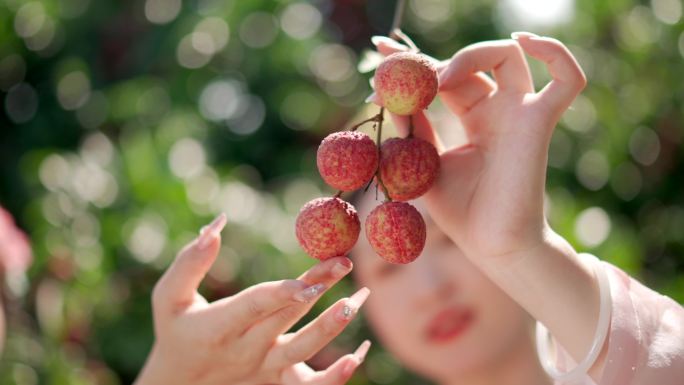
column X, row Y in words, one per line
column 396, row 231
column 405, row 83
column 347, row 160
column 327, row 227
column 408, row 167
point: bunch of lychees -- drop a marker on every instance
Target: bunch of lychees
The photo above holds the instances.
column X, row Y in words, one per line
column 404, row 169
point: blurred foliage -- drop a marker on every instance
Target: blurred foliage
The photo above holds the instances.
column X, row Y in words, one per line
column 127, row 125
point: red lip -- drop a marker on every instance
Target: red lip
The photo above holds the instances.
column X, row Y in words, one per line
column 449, row 324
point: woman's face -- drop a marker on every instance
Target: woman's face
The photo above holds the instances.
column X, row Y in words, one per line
column 439, row 315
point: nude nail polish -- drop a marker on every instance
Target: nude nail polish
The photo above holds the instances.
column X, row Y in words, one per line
column 211, row 231
column 308, row 294
column 339, row 270
column 377, row 39
column 352, row 305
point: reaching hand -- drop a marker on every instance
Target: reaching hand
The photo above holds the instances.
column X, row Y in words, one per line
column 490, row 193
column 239, row 339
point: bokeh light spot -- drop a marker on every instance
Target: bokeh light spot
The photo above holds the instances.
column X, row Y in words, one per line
column 29, row 19
column 626, row 181
column 258, row 29
column 211, row 35
column 147, row 238
column 432, row 11
column 581, row 116
column 667, row 11
column 532, row 14
column 592, row 226
column 644, row 146
column 162, row 11
column 250, row 116
column 300, row 20
column 73, row 90
column 188, row 56
column 220, row 99
column 187, row 158
column 593, row 170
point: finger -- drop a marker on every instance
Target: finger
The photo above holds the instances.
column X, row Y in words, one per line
column 177, row 287
column 318, row 333
column 468, row 93
column 341, row 370
column 422, row 128
column 326, row 273
column 387, row 46
column 568, row 77
column 233, row 315
column 503, row 57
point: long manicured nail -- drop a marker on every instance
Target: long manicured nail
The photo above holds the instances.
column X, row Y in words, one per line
column 341, row 269
column 377, row 39
column 352, row 305
column 362, row 350
column 358, row 357
column 518, row 35
column 211, row 231
column 309, row 293
column 372, row 98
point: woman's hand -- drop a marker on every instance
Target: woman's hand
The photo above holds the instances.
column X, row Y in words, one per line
column 490, row 193
column 239, row 339
column 489, row 196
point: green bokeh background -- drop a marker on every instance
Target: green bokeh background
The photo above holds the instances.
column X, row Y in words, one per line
column 127, row 125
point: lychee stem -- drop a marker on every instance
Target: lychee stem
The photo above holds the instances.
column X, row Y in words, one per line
column 377, row 170
column 339, row 194
column 374, row 118
column 398, row 15
column 410, row 133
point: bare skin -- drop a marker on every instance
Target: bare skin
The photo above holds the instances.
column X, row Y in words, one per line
column 242, row 339
column 489, row 196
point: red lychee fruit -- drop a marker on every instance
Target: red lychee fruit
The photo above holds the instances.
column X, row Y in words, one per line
column 405, row 83
column 327, row 227
column 408, row 167
column 396, row 231
column 347, row 160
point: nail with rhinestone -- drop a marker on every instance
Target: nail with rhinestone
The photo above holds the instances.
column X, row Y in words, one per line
column 352, row 305
column 309, row 293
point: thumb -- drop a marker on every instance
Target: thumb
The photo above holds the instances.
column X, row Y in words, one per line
column 178, row 285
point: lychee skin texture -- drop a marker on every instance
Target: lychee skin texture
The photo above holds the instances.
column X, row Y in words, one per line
column 405, row 83
column 408, row 167
column 347, row 160
column 327, row 227
column 396, row 231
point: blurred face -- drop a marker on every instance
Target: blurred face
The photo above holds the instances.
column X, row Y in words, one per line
column 439, row 315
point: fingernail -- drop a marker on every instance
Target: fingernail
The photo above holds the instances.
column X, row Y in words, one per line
column 340, row 270
column 211, row 231
column 371, row 98
column 517, row 35
column 362, row 350
column 358, row 357
column 351, row 307
column 377, row 39
column 309, row 293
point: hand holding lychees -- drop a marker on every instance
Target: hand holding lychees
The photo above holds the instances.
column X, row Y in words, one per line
column 489, row 194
